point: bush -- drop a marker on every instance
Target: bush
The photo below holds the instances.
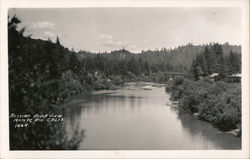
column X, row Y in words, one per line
column 219, row 103
column 35, row 69
column 117, row 79
column 130, row 75
column 70, row 83
column 178, row 80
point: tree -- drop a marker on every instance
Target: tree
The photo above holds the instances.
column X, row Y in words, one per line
column 75, row 64
column 57, row 40
column 233, row 63
column 208, row 58
column 133, row 66
column 219, row 61
column 32, row 90
column 199, row 67
column 147, row 68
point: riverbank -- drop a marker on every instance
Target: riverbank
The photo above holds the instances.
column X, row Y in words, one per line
column 216, row 102
column 72, row 85
column 135, row 118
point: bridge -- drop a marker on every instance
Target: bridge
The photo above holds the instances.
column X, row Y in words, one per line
column 173, row 74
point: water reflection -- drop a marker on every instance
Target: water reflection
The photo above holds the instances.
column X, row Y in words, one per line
column 136, row 119
column 107, row 104
column 205, row 132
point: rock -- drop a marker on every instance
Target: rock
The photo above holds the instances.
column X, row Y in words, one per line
column 235, row 132
column 196, row 114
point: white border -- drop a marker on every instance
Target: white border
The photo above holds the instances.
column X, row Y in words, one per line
column 5, row 153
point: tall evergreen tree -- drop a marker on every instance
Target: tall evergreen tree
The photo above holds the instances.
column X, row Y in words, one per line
column 233, row 63
column 207, row 57
column 57, row 40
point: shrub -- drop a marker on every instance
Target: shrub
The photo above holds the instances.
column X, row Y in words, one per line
column 117, row 79
column 178, row 80
column 219, row 103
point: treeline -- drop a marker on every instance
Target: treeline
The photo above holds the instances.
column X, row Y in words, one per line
column 208, row 97
column 120, row 66
column 150, row 65
column 213, row 60
column 177, row 59
column 120, row 62
column 181, row 57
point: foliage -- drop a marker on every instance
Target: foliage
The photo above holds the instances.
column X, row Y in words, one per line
column 70, row 84
column 213, row 60
column 233, row 63
column 218, row 103
column 35, row 69
column 42, row 74
column 179, row 59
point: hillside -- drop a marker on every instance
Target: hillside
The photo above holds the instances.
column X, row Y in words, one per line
column 179, row 58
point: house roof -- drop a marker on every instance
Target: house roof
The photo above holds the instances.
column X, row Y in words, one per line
column 214, row 74
column 236, row 75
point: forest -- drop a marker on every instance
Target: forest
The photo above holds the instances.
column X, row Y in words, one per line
column 212, row 98
column 44, row 74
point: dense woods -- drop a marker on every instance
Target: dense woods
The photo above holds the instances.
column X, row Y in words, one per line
column 35, row 72
column 43, row 74
column 213, row 60
column 212, row 98
column 177, row 59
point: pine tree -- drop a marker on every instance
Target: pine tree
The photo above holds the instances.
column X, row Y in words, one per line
column 57, row 40
column 233, row 63
column 194, row 69
column 49, row 40
column 208, row 59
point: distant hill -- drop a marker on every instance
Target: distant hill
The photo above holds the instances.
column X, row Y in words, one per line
column 180, row 57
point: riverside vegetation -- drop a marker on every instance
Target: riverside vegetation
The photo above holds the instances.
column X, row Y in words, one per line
column 213, row 100
column 44, row 74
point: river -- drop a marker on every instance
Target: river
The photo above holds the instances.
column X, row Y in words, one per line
column 133, row 118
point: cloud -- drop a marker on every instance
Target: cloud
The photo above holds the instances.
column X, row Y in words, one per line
column 105, row 37
column 113, row 43
column 40, row 29
column 49, row 34
column 42, row 25
column 108, row 40
column 132, row 47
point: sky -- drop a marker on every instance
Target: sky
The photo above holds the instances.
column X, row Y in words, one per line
column 135, row 29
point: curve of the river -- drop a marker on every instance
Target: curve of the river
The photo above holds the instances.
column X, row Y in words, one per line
column 139, row 118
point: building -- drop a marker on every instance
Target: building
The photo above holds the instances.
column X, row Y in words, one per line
column 234, row 78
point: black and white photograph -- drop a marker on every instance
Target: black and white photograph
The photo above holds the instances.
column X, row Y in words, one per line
column 126, row 78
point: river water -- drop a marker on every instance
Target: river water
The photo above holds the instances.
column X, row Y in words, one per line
column 133, row 118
